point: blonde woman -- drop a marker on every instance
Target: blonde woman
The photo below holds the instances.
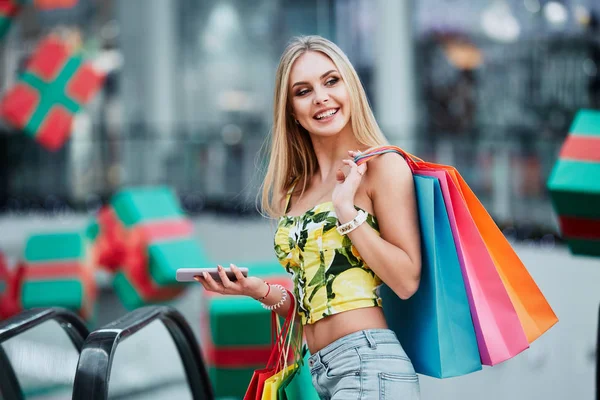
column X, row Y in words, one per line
column 342, row 229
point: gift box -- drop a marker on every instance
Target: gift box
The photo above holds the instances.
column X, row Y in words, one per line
column 8, row 11
column 155, row 214
column 124, row 253
column 236, row 333
column 144, row 237
column 56, row 272
column 574, row 185
column 55, row 86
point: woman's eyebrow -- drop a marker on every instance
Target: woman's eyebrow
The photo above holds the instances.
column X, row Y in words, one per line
column 322, row 76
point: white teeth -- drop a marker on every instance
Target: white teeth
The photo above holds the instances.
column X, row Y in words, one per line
column 326, row 114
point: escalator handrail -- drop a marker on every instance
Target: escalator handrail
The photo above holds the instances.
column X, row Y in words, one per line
column 28, row 319
column 95, row 362
column 72, row 324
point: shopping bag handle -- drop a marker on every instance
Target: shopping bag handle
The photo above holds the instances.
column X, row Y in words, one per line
column 277, row 349
column 375, row 151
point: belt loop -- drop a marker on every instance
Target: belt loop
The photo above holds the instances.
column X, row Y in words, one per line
column 369, row 337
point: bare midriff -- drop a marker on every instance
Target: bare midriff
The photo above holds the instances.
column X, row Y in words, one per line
column 331, row 328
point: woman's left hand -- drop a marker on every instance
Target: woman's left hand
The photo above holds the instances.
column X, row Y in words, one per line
column 347, row 183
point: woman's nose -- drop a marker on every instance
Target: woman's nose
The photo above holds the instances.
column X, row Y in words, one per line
column 321, row 97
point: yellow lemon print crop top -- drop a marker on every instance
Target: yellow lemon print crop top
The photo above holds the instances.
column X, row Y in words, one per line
column 328, row 273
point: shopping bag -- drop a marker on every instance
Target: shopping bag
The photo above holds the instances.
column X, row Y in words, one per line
column 435, row 325
column 273, row 383
column 534, row 312
column 257, row 382
column 285, row 391
column 497, row 325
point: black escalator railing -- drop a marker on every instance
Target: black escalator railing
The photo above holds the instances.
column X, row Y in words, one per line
column 73, row 326
column 95, row 362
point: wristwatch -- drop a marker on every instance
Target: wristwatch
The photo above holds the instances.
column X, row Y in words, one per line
column 348, row 227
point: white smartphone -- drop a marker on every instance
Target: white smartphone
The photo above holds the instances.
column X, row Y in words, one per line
column 187, row 274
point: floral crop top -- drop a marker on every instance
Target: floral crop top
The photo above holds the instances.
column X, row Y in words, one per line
column 328, row 273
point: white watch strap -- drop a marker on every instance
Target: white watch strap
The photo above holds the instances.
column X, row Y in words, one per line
column 348, row 227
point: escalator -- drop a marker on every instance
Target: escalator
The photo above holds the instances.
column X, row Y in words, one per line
column 39, row 350
column 150, row 353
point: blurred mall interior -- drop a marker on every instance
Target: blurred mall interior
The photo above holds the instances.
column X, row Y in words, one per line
column 489, row 86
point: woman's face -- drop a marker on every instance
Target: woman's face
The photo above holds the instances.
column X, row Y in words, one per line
column 319, row 98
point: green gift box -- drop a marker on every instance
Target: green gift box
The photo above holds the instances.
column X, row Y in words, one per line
column 156, row 213
column 56, row 273
column 574, row 185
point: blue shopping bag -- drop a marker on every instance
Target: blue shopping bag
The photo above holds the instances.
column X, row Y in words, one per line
column 434, row 326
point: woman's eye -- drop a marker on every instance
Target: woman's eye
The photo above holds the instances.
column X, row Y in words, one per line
column 301, row 92
column 332, row 81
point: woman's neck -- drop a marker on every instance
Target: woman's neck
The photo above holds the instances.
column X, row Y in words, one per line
column 330, row 151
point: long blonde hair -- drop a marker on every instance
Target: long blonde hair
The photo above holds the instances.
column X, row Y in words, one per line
column 291, row 152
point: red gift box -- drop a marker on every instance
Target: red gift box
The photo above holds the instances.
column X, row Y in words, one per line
column 53, row 88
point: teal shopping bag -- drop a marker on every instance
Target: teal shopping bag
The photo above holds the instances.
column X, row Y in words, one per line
column 434, row 326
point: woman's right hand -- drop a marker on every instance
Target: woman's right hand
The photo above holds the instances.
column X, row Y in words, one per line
column 245, row 286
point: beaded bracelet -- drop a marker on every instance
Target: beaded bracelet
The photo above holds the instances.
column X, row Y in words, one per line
column 284, row 296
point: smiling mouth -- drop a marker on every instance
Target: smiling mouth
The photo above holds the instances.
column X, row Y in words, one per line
column 326, row 114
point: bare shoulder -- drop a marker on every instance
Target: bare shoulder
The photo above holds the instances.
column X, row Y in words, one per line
column 387, row 169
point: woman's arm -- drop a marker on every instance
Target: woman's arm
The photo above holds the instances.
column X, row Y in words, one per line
column 395, row 255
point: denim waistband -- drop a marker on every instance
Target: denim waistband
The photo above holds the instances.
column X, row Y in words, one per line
column 369, row 337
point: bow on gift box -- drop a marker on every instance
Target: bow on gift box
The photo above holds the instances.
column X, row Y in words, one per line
column 110, row 248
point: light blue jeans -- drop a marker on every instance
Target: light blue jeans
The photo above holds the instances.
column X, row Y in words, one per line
column 365, row 365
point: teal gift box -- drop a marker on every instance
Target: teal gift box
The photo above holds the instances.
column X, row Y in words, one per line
column 574, row 185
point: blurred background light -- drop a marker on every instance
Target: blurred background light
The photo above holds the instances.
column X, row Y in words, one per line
column 499, row 23
column 556, row 13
